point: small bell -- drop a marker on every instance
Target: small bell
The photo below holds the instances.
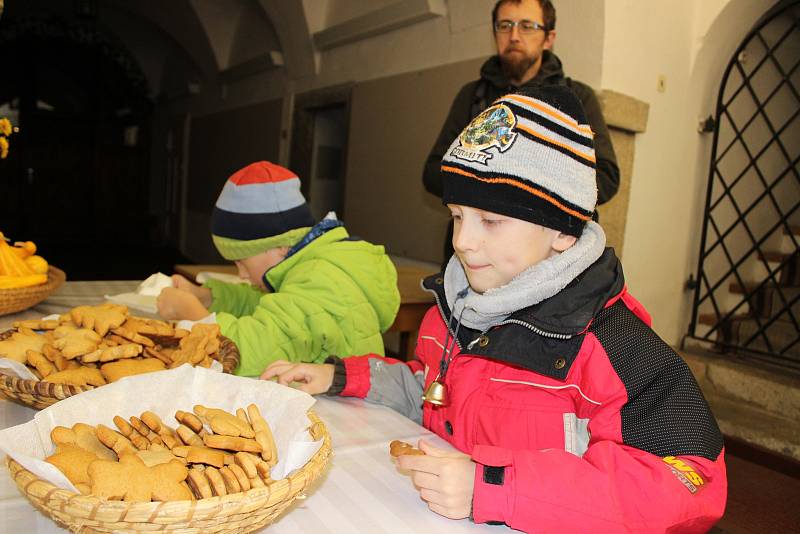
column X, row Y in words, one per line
column 436, row 393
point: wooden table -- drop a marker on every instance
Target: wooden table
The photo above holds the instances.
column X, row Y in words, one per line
column 414, row 301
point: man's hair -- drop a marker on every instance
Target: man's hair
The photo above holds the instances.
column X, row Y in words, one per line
column 548, row 12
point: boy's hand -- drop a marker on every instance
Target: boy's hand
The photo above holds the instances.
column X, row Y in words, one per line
column 176, row 304
column 203, row 294
column 445, row 479
column 313, row 378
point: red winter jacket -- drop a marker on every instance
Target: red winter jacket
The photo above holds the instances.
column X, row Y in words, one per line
column 578, row 416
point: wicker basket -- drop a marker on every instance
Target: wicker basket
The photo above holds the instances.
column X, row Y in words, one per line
column 40, row 394
column 14, row 300
column 240, row 512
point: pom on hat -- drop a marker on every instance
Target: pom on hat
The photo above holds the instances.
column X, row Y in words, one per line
column 529, row 156
column 260, row 207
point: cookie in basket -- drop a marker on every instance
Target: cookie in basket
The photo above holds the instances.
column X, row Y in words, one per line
column 19, row 343
column 113, row 371
column 137, row 466
column 75, row 341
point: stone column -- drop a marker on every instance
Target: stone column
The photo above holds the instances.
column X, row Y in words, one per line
column 625, row 117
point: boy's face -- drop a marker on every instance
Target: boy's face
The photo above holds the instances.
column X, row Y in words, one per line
column 495, row 248
column 254, row 267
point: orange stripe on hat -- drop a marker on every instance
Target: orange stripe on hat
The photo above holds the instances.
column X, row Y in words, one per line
column 524, row 187
column 549, row 111
column 565, row 146
column 262, row 172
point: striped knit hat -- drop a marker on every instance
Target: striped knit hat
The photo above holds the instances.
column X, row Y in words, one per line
column 260, row 207
column 529, row 156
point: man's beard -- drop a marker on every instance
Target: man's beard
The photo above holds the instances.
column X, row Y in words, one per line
column 515, row 66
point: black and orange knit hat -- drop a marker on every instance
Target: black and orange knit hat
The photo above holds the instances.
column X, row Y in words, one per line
column 529, row 156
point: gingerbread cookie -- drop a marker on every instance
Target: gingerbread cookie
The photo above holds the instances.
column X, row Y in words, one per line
column 263, row 435
column 400, row 448
column 133, row 481
column 113, row 371
column 78, row 376
column 73, row 462
column 198, row 482
column 116, row 441
column 101, row 318
column 74, row 342
column 224, row 423
column 19, row 343
column 39, row 361
column 215, row 441
column 82, row 436
column 116, row 352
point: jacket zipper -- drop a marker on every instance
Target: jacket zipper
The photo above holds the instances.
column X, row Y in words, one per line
column 529, row 326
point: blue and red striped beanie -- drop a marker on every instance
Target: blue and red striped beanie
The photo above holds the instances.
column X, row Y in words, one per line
column 260, row 207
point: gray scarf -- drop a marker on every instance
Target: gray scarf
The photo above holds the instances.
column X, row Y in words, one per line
column 531, row 286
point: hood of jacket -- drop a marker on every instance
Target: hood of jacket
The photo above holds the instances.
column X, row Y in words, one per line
column 554, row 328
column 367, row 265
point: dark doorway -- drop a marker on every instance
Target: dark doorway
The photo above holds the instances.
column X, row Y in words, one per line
column 76, row 179
column 319, row 148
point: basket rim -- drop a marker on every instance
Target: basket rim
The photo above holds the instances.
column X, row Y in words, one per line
column 287, row 489
column 35, row 294
column 55, row 276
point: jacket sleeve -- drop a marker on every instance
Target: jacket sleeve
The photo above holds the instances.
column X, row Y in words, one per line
column 457, row 120
column 235, row 299
column 607, row 169
column 386, row 381
column 612, row 488
column 286, row 325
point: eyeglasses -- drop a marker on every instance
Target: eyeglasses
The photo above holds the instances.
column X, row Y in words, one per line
column 525, row 26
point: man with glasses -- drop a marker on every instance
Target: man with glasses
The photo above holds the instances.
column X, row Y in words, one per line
column 524, row 32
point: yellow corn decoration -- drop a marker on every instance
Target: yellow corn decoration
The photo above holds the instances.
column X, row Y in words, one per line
column 19, row 267
column 15, row 282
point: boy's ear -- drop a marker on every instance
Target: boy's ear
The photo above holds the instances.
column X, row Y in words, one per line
column 563, row 241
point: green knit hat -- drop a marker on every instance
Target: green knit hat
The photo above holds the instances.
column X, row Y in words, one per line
column 235, row 249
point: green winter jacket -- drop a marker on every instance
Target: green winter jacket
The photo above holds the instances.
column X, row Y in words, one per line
column 332, row 297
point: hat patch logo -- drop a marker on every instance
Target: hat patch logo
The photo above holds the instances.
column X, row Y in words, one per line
column 492, row 128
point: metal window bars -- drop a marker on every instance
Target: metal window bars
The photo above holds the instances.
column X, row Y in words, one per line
column 747, row 295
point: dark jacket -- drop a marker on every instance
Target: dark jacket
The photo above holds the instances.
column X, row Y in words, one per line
column 479, row 94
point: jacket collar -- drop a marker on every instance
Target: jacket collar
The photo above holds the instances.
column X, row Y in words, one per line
column 539, row 337
column 326, row 231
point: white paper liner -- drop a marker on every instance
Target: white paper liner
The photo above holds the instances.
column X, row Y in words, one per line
column 164, row 393
column 144, row 298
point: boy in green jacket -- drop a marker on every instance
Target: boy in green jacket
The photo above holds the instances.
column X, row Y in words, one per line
column 315, row 290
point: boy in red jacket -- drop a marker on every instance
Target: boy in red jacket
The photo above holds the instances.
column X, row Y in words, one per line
column 572, row 415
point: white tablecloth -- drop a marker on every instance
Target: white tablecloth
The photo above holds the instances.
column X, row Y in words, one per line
column 361, row 491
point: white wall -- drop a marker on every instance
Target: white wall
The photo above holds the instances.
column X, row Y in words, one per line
column 689, row 43
column 465, row 33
